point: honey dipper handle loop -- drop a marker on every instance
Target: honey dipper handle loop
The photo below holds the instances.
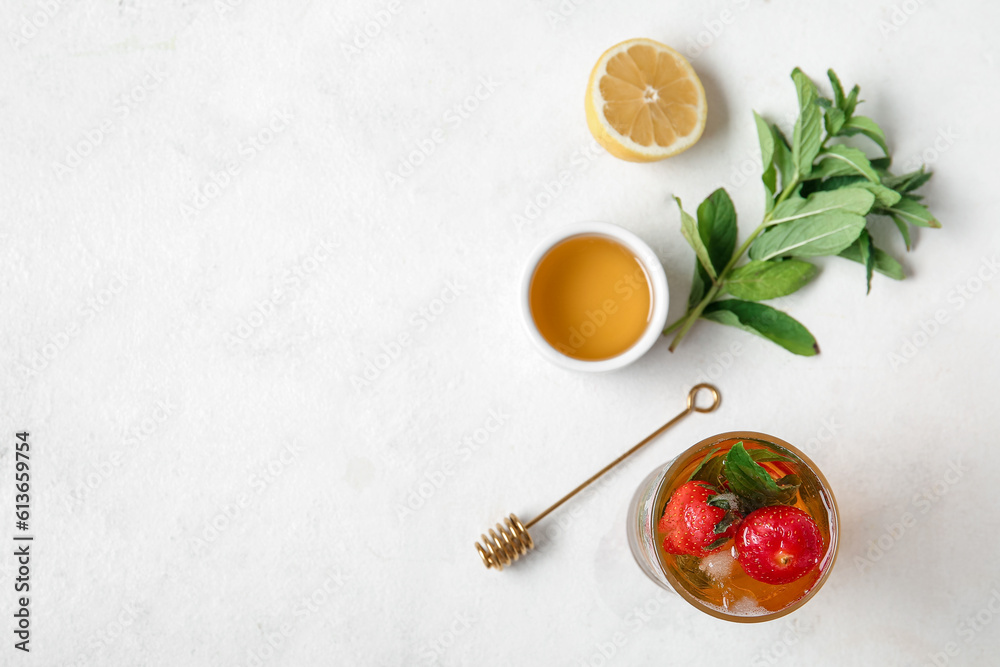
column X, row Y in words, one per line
column 692, row 403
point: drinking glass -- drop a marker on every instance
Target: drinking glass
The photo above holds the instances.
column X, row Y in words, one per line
column 716, row 584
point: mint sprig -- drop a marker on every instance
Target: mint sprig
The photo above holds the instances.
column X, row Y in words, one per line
column 753, row 485
column 820, row 196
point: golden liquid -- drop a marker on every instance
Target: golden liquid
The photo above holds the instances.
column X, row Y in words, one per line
column 590, row 297
column 739, row 593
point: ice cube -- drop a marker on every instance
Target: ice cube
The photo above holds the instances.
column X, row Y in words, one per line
column 746, row 606
column 718, row 566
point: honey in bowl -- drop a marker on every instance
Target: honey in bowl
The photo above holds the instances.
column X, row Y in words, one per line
column 590, row 297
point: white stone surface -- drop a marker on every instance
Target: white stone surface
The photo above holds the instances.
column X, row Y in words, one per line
column 203, row 465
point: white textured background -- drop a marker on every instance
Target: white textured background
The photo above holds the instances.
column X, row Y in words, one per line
column 210, row 486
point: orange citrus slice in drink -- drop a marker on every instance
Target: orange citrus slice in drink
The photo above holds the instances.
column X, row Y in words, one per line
column 645, row 102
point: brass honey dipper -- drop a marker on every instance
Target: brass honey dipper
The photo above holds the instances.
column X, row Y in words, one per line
column 506, row 544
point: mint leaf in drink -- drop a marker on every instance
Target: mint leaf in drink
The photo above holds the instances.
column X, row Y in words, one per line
column 726, row 501
column 808, row 134
column 717, row 228
column 721, row 527
column 708, row 457
column 759, row 281
column 869, row 128
column 753, row 485
column 709, row 469
column 690, row 568
column 764, row 321
column 885, row 263
column 716, row 544
column 763, row 455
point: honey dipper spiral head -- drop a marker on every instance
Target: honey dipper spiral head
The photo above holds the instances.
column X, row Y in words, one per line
column 505, row 544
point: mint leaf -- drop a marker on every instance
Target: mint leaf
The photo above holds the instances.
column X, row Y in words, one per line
column 753, row 484
column 695, row 474
column 689, row 229
column 838, row 90
column 721, row 527
column 824, row 224
column 833, row 120
column 852, row 200
column 710, row 470
column 716, row 544
column 690, row 568
column 763, row 321
column 851, row 102
column 908, row 182
column 866, row 126
column 884, row 197
column 717, row 228
column 783, row 158
column 867, row 255
column 904, row 229
column 885, row 263
column 769, row 177
column 912, row 211
column 726, row 501
column 762, row 455
column 698, row 282
column 819, row 234
column 842, row 160
column 831, row 183
column 759, row 281
column 807, row 136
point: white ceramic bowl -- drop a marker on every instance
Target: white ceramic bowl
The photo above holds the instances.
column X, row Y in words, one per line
column 659, row 296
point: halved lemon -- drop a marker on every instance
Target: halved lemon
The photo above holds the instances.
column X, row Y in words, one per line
column 645, row 102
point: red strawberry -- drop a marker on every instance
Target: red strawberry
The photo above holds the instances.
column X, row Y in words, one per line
column 692, row 526
column 778, row 544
